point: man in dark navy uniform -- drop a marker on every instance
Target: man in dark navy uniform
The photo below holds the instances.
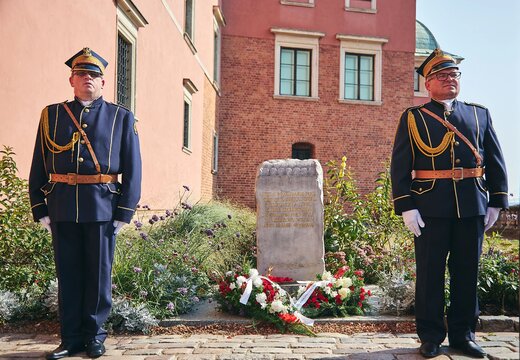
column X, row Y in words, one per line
column 449, row 183
column 84, row 184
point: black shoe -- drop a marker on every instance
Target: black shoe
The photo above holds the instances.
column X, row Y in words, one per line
column 64, row 351
column 470, row 348
column 429, row 349
column 95, row 348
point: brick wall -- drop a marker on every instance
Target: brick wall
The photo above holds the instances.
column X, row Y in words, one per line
column 208, row 183
column 254, row 127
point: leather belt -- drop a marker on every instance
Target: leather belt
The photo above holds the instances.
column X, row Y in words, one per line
column 73, row 178
column 457, row 173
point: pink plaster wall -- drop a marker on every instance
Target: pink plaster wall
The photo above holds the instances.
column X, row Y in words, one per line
column 328, row 16
column 38, row 36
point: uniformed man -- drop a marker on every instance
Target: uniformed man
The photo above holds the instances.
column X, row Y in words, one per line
column 449, row 183
column 84, row 184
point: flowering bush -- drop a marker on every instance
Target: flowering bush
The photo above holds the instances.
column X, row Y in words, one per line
column 341, row 294
column 261, row 299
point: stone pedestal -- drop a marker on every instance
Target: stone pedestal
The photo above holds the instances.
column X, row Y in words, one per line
column 289, row 198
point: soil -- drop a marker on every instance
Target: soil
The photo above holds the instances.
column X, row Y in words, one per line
column 51, row 327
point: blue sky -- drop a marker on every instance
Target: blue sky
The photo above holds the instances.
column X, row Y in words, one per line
column 487, row 35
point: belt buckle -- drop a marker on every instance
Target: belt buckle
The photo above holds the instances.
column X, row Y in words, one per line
column 461, row 173
column 72, row 178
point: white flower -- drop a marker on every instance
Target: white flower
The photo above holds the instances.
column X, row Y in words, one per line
column 232, row 286
column 333, row 294
column 326, row 276
column 261, row 298
column 240, row 281
column 347, row 282
column 277, row 306
column 229, row 273
column 344, row 293
column 327, row 290
column 301, row 290
column 343, row 282
column 281, row 293
column 257, row 281
column 253, row 273
column 263, row 306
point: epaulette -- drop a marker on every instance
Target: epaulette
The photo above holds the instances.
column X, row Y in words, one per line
column 416, row 107
column 475, row 104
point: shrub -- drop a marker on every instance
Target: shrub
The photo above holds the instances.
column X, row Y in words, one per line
column 126, row 317
column 397, row 292
column 365, row 228
column 163, row 261
column 25, row 247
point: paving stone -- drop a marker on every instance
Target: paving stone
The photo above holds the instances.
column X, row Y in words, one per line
column 265, row 343
column 174, row 351
column 394, row 341
column 142, row 352
column 312, row 340
column 174, row 345
column 215, row 351
column 270, row 351
column 195, row 357
column 497, row 323
column 418, row 356
column 368, row 345
column 160, row 357
column 220, row 344
column 245, row 357
column 314, row 350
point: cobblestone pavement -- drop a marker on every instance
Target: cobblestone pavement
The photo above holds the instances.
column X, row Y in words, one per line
column 380, row 346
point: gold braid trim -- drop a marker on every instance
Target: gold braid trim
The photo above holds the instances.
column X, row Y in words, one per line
column 46, row 138
column 424, row 148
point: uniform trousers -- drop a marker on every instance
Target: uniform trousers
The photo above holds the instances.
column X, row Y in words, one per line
column 83, row 254
column 459, row 241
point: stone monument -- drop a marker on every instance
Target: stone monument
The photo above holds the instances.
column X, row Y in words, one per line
column 289, row 230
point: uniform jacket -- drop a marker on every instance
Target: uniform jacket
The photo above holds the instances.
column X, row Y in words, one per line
column 448, row 197
column 113, row 135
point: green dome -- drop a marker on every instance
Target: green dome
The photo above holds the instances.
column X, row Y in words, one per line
column 425, row 42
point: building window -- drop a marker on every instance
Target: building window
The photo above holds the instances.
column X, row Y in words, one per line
column 186, row 133
column 214, row 162
column 366, row 6
column 416, row 86
column 361, row 64
column 189, row 90
column 188, row 18
column 302, row 151
column 129, row 19
column 359, row 77
column 306, row 3
column 216, row 53
column 296, row 64
column 124, row 72
column 295, row 72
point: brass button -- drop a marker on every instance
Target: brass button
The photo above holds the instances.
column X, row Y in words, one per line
column 80, row 159
column 457, row 143
column 420, row 189
column 87, row 110
column 457, row 161
column 82, row 142
column 84, row 126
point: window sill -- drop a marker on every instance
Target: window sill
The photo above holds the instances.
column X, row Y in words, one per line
column 420, row 94
column 216, row 87
column 360, row 102
column 186, row 150
column 214, row 172
column 366, row 11
column 190, row 43
column 296, row 3
column 291, row 97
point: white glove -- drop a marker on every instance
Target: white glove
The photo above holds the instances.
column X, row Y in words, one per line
column 413, row 221
column 46, row 223
column 491, row 217
column 117, row 226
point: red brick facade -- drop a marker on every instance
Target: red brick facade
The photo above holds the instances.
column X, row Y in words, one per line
column 254, row 126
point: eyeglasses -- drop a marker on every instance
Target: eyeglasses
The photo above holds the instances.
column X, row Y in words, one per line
column 444, row 76
column 93, row 75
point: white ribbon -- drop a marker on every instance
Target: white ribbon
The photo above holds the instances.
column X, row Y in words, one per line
column 307, row 294
column 249, row 288
column 307, row 321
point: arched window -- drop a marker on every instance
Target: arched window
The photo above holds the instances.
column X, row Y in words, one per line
column 302, row 151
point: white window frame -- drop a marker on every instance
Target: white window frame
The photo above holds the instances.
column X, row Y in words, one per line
column 128, row 30
column 300, row 40
column 306, row 3
column 189, row 90
column 372, row 10
column 217, row 41
column 363, row 46
column 214, row 162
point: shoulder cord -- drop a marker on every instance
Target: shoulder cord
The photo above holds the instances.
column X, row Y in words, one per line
column 459, row 134
column 46, row 138
column 421, row 145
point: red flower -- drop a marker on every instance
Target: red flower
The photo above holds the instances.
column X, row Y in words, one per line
column 362, row 297
column 340, row 272
column 288, row 318
column 338, row 300
column 224, row 288
column 279, row 279
column 369, row 293
column 358, row 273
column 360, row 304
